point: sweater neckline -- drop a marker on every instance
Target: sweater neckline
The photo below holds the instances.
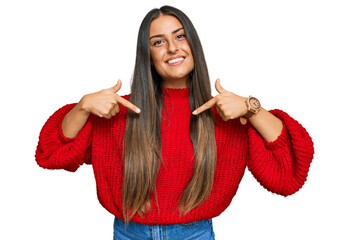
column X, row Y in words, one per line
column 176, row 92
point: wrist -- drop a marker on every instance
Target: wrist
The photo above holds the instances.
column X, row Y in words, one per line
column 255, row 116
column 83, row 106
column 244, row 109
column 253, row 106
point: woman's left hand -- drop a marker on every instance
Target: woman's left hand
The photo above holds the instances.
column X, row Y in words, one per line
column 228, row 104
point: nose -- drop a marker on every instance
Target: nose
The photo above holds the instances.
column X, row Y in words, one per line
column 172, row 46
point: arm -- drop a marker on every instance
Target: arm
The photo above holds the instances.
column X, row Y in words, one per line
column 268, row 126
column 280, row 150
column 74, row 121
column 103, row 104
column 56, row 151
column 230, row 106
column 65, row 139
column 281, row 166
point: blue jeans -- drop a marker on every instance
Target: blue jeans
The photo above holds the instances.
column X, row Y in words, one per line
column 202, row 230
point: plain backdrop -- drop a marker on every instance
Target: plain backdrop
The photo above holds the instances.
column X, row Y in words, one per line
column 292, row 55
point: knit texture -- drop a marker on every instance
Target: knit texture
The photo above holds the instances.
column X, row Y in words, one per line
column 280, row 166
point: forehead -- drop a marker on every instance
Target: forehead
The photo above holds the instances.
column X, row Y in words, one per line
column 164, row 24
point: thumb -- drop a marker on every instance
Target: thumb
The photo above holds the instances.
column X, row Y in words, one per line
column 218, row 86
column 116, row 87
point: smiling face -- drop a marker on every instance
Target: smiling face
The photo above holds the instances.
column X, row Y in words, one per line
column 170, row 51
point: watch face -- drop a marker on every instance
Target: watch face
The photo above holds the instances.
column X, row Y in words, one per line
column 254, row 102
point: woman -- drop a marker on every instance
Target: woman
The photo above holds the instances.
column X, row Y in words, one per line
column 168, row 157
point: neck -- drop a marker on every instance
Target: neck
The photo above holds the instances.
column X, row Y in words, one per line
column 176, row 83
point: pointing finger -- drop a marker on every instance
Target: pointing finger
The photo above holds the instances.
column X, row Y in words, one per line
column 218, row 86
column 128, row 104
column 205, row 106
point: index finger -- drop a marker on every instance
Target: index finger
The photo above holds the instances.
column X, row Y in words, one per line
column 128, row 104
column 205, row 106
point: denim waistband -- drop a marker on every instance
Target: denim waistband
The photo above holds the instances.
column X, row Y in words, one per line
column 202, row 230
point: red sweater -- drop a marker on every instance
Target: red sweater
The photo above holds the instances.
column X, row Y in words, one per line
column 280, row 166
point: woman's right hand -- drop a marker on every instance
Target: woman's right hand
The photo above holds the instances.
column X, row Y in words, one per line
column 105, row 103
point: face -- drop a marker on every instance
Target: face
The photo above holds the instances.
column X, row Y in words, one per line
column 170, row 51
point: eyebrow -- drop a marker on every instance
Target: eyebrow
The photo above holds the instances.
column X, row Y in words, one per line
column 161, row 35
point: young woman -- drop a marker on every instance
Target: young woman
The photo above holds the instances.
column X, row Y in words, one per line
column 169, row 157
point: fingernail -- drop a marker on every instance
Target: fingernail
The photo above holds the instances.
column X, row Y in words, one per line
column 138, row 110
column 195, row 112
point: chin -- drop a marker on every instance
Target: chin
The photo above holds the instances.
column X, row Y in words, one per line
column 179, row 74
column 178, row 77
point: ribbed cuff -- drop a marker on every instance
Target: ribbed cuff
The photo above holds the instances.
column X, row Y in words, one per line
column 281, row 141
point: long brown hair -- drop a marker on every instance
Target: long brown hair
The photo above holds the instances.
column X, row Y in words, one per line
column 142, row 140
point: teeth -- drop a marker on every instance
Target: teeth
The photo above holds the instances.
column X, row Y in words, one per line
column 175, row 60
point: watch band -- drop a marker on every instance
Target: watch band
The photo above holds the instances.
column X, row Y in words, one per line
column 249, row 114
column 251, row 110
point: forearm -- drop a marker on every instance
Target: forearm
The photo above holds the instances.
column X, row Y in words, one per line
column 74, row 121
column 268, row 126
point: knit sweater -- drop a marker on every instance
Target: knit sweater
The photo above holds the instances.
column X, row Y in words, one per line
column 280, row 166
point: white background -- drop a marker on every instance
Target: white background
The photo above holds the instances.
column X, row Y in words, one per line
column 292, row 55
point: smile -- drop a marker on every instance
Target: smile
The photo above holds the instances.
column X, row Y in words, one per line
column 176, row 61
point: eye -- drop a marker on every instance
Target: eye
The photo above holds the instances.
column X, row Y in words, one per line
column 158, row 42
column 180, row 36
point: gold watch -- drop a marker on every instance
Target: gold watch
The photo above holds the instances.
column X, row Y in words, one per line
column 253, row 106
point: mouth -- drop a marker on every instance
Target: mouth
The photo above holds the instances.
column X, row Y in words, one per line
column 175, row 61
